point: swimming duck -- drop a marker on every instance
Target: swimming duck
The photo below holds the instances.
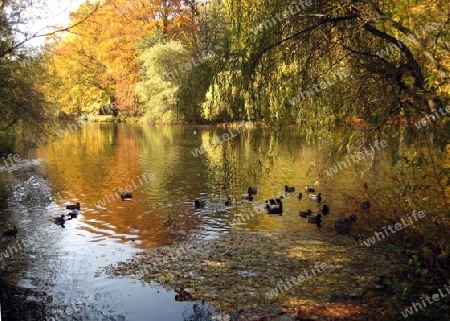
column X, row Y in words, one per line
column 183, row 295
column 325, row 209
column 247, row 197
column 299, row 196
column 198, row 203
column 278, row 209
column 228, row 201
column 126, row 196
column 60, row 220
column 73, row 207
column 314, row 218
column 310, row 189
column 12, row 232
column 274, row 201
column 252, row 190
column 274, row 206
column 305, row 214
column 289, row 189
column 314, row 197
column 73, row 214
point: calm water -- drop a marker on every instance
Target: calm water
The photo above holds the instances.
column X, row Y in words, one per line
column 89, row 164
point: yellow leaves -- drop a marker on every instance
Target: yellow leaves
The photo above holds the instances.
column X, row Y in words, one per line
column 98, row 59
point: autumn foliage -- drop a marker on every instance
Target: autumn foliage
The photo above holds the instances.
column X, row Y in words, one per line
column 96, row 63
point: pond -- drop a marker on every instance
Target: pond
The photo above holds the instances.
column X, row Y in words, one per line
column 165, row 171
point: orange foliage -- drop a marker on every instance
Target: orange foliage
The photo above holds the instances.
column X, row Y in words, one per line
column 97, row 61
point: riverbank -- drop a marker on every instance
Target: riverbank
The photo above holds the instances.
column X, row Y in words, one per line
column 268, row 273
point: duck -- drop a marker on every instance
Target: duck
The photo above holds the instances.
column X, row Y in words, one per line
column 247, row 197
column 228, row 201
column 325, row 209
column 183, row 295
column 59, row 220
column 12, row 232
column 289, row 189
column 314, row 197
column 310, row 189
column 198, row 203
column 299, row 196
column 73, row 214
column 126, row 196
column 252, row 190
column 314, row 218
column 274, row 206
column 305, row 214
column 274, row 201
column 73, row 206
column 275, row 210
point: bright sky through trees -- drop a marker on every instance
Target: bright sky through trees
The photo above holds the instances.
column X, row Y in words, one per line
column 45, row 14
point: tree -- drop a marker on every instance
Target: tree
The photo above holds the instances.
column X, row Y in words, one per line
column 161, row 80
column 21, row 103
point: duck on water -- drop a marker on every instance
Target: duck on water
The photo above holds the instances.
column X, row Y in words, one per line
column 12, row 232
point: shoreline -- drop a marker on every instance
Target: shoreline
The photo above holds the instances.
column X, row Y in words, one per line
column 234, row 272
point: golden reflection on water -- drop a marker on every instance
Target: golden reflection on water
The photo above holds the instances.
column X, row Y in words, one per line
column 91, row 163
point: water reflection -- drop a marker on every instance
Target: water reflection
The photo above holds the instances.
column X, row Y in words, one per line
column 90, row 165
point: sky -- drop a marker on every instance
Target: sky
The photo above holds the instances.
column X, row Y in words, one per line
column 46, row 13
